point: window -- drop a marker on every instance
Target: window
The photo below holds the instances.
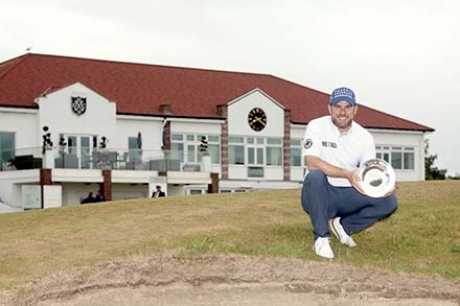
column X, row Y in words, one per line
column 401, row 158
column 191, row 154
column 133, row 154
column 409, row 159
column 396, row 160
column 256, row 172
column 7, row 145
column 177, row 151
column 79, row 146
column 214, row 148
column 255, row 151
column 296, row 153
column 177, row 147
column 186, row 147
column 177, row 137
column 236, row 150
column 195, row 191
column 274, row 152
column 255, row 156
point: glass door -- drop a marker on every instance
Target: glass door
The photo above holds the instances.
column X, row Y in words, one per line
column 85, row 152
column 256, row 157
column 79, row 150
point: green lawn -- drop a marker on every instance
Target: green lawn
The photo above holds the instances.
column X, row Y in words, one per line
column 422, row 236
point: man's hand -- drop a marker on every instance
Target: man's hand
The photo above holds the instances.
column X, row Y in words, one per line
column 355, row 181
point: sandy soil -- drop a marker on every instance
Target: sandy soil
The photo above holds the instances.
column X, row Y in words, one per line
column 234, row 281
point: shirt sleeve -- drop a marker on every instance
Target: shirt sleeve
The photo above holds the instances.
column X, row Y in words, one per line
column 311, row 141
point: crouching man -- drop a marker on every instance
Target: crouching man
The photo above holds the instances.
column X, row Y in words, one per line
column 334, row 148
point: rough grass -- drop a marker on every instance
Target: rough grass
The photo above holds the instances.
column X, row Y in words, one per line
column 422, row 236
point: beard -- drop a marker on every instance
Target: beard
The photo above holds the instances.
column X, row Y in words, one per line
column 342, row 124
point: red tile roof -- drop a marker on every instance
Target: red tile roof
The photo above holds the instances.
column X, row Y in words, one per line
column 140, row 89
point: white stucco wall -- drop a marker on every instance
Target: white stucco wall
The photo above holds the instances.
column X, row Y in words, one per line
column 11, row 184
column 239, row 109
column 192, row 126
column 24, row 123
column 56, row 113
column 129, row 126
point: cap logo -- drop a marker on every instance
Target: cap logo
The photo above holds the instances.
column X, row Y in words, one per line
column 342, row 94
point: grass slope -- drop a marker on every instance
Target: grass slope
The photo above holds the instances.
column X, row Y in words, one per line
column 423, row 236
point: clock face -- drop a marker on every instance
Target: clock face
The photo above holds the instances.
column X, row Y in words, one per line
column 257, row 119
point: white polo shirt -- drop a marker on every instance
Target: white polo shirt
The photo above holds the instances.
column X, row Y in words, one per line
column 345, row 150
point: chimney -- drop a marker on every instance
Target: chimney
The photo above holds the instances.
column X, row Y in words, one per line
column 165, row 109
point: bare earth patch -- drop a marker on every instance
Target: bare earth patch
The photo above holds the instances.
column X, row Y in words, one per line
column 234, row 281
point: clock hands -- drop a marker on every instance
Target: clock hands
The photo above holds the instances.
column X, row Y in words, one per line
column 259, row 119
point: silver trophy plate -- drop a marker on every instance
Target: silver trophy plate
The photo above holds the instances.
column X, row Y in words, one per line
column 377, row 177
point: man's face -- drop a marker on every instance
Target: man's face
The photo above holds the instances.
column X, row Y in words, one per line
column 342, row 114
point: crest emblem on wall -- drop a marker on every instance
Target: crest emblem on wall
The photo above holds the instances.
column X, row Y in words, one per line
column 78, row 105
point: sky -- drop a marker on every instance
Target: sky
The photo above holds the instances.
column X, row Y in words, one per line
column 400, row 57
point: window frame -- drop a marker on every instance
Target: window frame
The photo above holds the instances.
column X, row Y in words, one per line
column 401, row 157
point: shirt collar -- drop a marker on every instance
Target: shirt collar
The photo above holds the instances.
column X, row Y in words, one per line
column 335, row 128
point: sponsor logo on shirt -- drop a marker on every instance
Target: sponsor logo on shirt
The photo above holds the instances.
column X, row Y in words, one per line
column 308, row 143
column 329, row 144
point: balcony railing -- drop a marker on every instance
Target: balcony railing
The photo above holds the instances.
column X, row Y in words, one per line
column 89, row 158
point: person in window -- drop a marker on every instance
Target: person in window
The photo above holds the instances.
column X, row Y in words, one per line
column 158, row 193
column 334, row 148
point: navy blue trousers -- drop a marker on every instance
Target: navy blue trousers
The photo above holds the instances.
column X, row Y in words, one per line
column 322, row 201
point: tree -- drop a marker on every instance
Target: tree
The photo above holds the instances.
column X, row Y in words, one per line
column 431, row 171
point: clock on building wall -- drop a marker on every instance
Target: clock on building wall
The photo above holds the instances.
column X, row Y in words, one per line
column 257, row 119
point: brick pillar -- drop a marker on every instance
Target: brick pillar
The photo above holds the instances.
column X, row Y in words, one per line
column 222, row 110
column 214, row 186
column 106, row 185
column 45, row 179
column 287, row 145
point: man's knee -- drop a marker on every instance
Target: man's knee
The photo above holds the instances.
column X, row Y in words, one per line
column 315, row 177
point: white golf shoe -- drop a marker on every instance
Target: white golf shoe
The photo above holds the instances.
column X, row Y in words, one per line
column 322, row 247
column 339, row 232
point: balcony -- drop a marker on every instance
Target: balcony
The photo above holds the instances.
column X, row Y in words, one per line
column 103, row 159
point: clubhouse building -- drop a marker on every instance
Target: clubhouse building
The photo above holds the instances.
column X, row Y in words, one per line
column 70, row 125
